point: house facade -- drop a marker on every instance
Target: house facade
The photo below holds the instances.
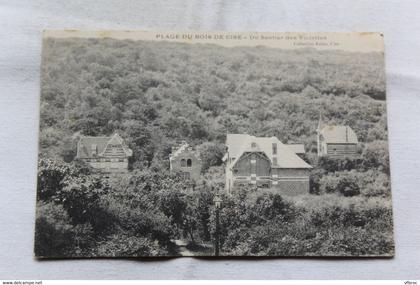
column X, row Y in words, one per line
column 105, row 154
column 337, row 141
column 185, row 160
column 265, row 162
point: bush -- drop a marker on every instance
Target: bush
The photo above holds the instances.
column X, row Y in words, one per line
column 57, row 236
column 315, row 179
column 125, row 244
column 332, row 164
column 345, row 183
column 376, row 156
column 211, row 154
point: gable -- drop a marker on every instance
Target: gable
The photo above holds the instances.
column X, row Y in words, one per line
column 252, row 162
column 270, row 146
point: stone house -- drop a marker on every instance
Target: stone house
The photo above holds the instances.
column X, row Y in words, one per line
column 106, row 154
column 185, row 160
column 265, row 162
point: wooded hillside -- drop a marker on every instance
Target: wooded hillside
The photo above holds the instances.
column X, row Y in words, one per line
column 157, row 93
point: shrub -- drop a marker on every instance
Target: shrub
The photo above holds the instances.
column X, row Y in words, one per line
column 345, row 183
column 376, row 156
column 332, row 164
column 56, row 235
column 125, row 244
column 211, row 154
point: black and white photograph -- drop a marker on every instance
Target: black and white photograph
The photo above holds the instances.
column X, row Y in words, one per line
column 231, row 144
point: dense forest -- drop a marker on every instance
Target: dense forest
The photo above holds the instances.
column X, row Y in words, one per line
column 155, row 94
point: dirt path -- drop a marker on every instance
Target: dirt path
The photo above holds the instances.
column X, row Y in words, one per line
column 182, row 247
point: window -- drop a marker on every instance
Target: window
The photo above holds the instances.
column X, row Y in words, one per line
column 253, row 145
column 274, row 160
column 183, row 163
column 274, row 148
column 189, row 162
column 185, row 175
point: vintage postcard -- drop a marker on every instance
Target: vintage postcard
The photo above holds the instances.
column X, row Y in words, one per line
column 213, row 144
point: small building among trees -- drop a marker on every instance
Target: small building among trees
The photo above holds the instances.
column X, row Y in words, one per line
column 265, row 162
column 106, row 154
column 185, row 160
column 336, row 141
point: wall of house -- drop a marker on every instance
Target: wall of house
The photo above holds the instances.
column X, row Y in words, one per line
column 256, row 170
column 290, row 181
column 341, row 150
column 287, row 181
column 194, row 170
column 292, row 188
column 109, row 164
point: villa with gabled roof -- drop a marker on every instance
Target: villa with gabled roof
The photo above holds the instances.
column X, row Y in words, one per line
column 265, row 162
column 106, row 154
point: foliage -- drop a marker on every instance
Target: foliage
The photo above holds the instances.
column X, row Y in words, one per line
column 376, row 155
column 157, row 95
column 211, row 154
column 306, row 225
column 345, row 183
column 56, row 236
column 200, row 92
column 123, row 245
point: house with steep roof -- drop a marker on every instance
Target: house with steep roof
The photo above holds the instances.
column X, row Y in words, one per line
column 336, row 141
column 265, row 162
column 105, row 154
column 185, row 160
